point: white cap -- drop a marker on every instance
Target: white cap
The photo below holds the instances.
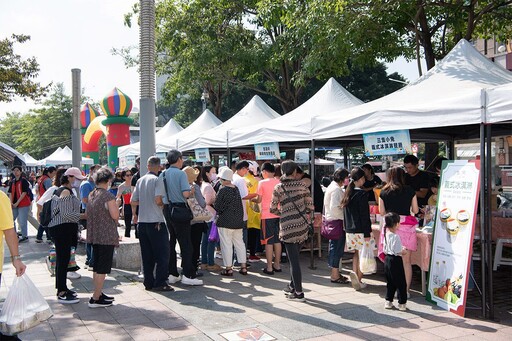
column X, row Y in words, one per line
column 74, row 172
column 225, row 173
column 253, row 167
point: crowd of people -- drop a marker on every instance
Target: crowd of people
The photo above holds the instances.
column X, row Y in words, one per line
column 251, row 207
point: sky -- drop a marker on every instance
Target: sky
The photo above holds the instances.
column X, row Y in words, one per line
column 67, row 34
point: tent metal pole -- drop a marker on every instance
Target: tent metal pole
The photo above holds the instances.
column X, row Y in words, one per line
column 312, row 173
column 345, row 157
column 483, row 220
column 488, row 225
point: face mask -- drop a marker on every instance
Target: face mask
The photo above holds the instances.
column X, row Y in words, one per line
column 76, row 183
column 212, row 176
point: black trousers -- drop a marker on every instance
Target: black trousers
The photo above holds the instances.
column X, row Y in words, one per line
column 153, row 239
column 293, row 251
column 196, row 235
column 128, row 221
column 64, row 236
column 395, row 277
column 253, row 237
column 181, row 233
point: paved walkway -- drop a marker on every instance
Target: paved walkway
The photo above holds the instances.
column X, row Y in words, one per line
column 223, row 307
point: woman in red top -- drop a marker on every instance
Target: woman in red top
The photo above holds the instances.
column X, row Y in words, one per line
column 20, row 200
column 124, row 191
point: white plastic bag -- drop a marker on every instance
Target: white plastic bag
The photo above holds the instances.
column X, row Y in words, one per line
column 367, row 263
column 24, row 307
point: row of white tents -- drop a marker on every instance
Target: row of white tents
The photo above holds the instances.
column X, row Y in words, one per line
column 61, row 156
column 464, row 88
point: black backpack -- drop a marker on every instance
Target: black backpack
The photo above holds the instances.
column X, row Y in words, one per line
column 45, row 217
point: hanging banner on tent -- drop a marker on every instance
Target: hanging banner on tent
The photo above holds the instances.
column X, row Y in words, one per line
column 453, row 235
column 202, row 154
column 267, row 151
column 302, row 155
column 387, row 143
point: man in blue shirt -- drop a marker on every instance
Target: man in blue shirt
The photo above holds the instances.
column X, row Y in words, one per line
column 176, row 192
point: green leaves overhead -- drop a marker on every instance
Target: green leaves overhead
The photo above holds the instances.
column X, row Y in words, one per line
column 17, row 74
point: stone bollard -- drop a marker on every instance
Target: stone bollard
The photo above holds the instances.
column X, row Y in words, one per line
column 127, row 256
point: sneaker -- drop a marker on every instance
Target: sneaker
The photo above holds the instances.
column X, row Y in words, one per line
column 402, row 307
column 72, row 292
column 173, row 279
column 191, row 281
column 254, row 259
column 355, row 281
column 296, row 297
column 288, row 290
column 388, row 305
column 67, row 298
column 99, row 303
column 73, row 275
column 22, row 239
column 363, row 285
column 107, row 298
column 39, row 241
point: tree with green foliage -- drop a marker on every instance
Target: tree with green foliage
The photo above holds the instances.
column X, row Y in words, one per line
column 430, row 29
column 17, row 74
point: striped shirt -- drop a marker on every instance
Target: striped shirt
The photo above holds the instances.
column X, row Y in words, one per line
column 292, row 224
column 65, row 209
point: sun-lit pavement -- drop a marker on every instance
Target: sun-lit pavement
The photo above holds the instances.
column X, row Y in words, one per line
column 241, row 307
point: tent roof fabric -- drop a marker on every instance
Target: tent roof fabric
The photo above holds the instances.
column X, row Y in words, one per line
column 169, row 129
column 296, row 125
column 207, row 120
column 29, row 160
column 450, row 94
column 8, row 154
column 253, row 113
column 64, row 156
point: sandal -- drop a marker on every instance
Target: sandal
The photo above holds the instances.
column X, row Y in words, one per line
column 340, row 280
column 277, row 270
column 227, row 272
column 266, row 272
column 243, row 271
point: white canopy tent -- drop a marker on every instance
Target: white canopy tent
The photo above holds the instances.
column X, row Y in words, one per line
column 206, row 121
column 253, row 113
column 42, row 162
column 29, row 160
column 171, row 128
column 296, row 125
column 453, row 93
column 64, row 156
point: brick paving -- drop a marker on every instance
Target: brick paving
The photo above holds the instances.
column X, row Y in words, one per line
column 254, row 303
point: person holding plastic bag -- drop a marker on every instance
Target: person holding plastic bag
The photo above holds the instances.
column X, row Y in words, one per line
column 397, row 197
column 358, row 226
column 11, row 238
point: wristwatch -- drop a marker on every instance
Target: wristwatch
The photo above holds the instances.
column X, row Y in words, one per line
column 13, row 258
